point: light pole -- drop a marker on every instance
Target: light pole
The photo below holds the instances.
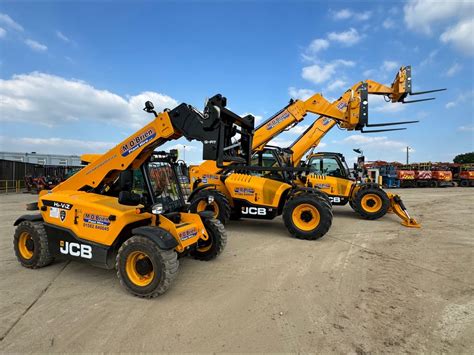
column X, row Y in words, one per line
column 184, row 152
column 408, row 154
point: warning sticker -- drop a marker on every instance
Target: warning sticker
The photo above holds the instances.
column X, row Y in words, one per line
column 54, row 212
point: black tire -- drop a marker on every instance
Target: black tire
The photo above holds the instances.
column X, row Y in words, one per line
column 367, row 199
column 464, row 183
column 30, row 243
column 351, row 204
column 209, row 249
column 433, row 183
column 157, row 267
column 220, row 201
column 322, row 195
column 290, row 211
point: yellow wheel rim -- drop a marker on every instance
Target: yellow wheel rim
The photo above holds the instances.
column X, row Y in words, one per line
column 306, row 217
column 205, row 248
column 371, row 203
column 26, row 245
column 135, row 265
column 204, row 206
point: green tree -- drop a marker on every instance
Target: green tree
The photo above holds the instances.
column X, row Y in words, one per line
column 464, row 158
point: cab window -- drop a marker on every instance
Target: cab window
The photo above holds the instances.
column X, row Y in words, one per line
column 326, row 166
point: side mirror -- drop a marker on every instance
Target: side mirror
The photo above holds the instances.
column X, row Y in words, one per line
column 129, row 198
column 149, row 106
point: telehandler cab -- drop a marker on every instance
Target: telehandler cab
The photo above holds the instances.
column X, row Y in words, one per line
column 105, row 217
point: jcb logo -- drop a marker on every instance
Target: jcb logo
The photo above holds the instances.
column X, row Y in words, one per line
column 75, row 249
column 260, row 211
column 335, row 199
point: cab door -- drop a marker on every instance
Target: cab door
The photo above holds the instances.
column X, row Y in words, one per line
column 331, row 176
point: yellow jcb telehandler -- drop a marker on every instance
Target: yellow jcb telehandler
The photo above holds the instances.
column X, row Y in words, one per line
column 105, row 216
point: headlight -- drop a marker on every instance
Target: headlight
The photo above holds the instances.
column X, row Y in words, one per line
column 157, row 209
column 210, row 199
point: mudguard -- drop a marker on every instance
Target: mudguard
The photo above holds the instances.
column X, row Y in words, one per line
column 28, row 217
column 311, row 190
column 164, row 240
column 200, row 188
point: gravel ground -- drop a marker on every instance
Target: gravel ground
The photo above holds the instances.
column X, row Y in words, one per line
column 367, row 286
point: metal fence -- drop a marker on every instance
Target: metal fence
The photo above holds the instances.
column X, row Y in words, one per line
column 13, row 173
column 12, row 186
column 17, row 170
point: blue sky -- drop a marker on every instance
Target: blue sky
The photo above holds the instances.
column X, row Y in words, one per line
column 74, row 75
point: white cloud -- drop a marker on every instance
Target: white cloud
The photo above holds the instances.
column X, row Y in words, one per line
column 430, row 58
column 63, row 37
column 183, row 147
column 363, row 16
column 461, row 36
column 298, row 129
column 462, row 98
column 345, row 14
column 53, row 145
column 454, row 18
column 9, row 22
column 51, row 100
column 423, row 15
column 319, row 73
column 369, row 73
column 347, row 38
column 36, row 46
column 390, row 65
column 387, row 68
column 3, row 33
column 342, row 14
column 372, row 143
column 280, row 142
column 301, row 94
column 388, row 24
column 336, row 84
column 453, row 69
column 468, row 128
column 378, row 104
column 318, row 44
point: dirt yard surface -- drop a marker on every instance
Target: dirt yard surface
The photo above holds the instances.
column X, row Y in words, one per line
column 367, row 286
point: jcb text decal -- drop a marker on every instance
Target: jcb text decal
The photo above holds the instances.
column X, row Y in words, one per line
column 75, row 249
column 256, row 211
column 137, row 142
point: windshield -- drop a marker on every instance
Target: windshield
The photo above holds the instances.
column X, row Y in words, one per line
column 164, row 185
column 328, row 166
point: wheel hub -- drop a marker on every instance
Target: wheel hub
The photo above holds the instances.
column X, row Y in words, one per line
column 144, row 266
column 306, row 216
column 30, row 245
column 371, row 203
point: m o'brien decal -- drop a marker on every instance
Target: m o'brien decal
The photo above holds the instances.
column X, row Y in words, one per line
column 137, row 142
column 277, row 120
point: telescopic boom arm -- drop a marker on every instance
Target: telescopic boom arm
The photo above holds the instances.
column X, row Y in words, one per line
column 399, row 90
column 213, row 127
